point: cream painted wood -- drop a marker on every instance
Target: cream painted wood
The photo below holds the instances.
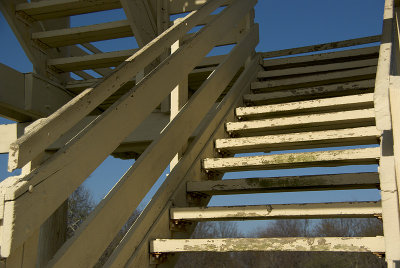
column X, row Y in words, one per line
column 316, row 79
column 364, row 117
column 294, row 160
column 318, row 68
column 66, row 117
column 286, row 184
column 352, row 102
column 279, row 211
column 132, row 244
column 326, row 46
column 310, row 92
column 303, row 140
column 182, row 6
column 147, row 169
column 395, row 115
column 382, row 105
column 141, row 20
column 335, row 244
column 84, row 34
column 76, row 51
column 371, row 52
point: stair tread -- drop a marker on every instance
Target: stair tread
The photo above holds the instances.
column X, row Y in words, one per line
column 92, row 61
column 294, row 160
column 84, row 34
column 369, row 180
column 327, row 104
column 308, row 93
column 318, row 68
column 279, row 211
column 315, row 79
column 338, row 244
column 363, row 117
column 302, row 140
column 50, row 9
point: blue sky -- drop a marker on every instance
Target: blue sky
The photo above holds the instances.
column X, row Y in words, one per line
column 283, row 24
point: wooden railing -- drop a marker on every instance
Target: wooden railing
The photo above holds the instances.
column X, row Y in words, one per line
column 31, row 198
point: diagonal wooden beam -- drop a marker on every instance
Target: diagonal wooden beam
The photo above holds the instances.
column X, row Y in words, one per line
column 141, row 20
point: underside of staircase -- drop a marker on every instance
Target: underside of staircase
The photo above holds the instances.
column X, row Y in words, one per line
column 166, row 103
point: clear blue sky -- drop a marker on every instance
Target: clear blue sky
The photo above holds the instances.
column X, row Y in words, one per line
column 283, row 24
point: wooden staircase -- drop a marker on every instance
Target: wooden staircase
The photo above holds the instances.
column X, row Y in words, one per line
column 285, row 110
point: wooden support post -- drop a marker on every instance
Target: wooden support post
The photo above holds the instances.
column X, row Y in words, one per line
column 395, row 112
column 179, row 96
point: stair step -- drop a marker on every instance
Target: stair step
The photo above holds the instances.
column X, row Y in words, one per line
column 315, row 79
column 286, row 184
column 87, row 62
column 309, row 93
column 312, row 122
column 337, row 244
column 322, row 58
column 302, row 140
column 84, row 34
column 318, row 68
column 50, row 9
column 351, row 102
column 363, row 156
column 280, row 211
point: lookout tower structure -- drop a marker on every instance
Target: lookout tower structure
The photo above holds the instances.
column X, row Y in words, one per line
column 168, row 103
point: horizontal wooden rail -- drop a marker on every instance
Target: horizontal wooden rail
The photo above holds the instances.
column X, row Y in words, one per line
column 144, row 173
column 320, row 47
column 50, row 129
column 34, row 197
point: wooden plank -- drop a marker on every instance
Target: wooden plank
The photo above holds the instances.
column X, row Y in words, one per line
column 352, row 102
column 315, row 79
column 50, row 9
column 87, row 62
column 395, row 113
column 325, row 46
column 279, row 211
column 76, row 51
column 382, row 105
column 119, row 123
column 151, row 221
column 318, row 68
column 310, row 93
column 365, row 117
column 84, row 34
column 302, row 140
column 182, row 6
column 141, row 20
column 57, row 124
column 335, row 244
column 286, row 184
column 294, row 160
column 340, row 56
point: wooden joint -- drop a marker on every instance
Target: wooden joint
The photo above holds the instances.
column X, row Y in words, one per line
column 179, row 225
column 380, row 255
column 158, row 258
column 40, row 45
column 378, row 216
column 25, row 18
column 195, row 197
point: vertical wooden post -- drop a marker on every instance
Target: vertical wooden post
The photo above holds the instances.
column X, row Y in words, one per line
column 179, row 96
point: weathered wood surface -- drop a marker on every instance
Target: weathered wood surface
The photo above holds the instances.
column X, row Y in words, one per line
column 311, row 92
column 382, row 105
column 352, row 102
column 318, row 68
column 339, row 56
column 364, row 117
column 84, row 34
column 294, row 160
column 337, row 244
column 303, row 140
column 315, row 79
column 326, row 46
column 279, row 211
column 134, row 246
column 147, row 169
column 395, row 113
column 286, row 184
column 58, row 123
